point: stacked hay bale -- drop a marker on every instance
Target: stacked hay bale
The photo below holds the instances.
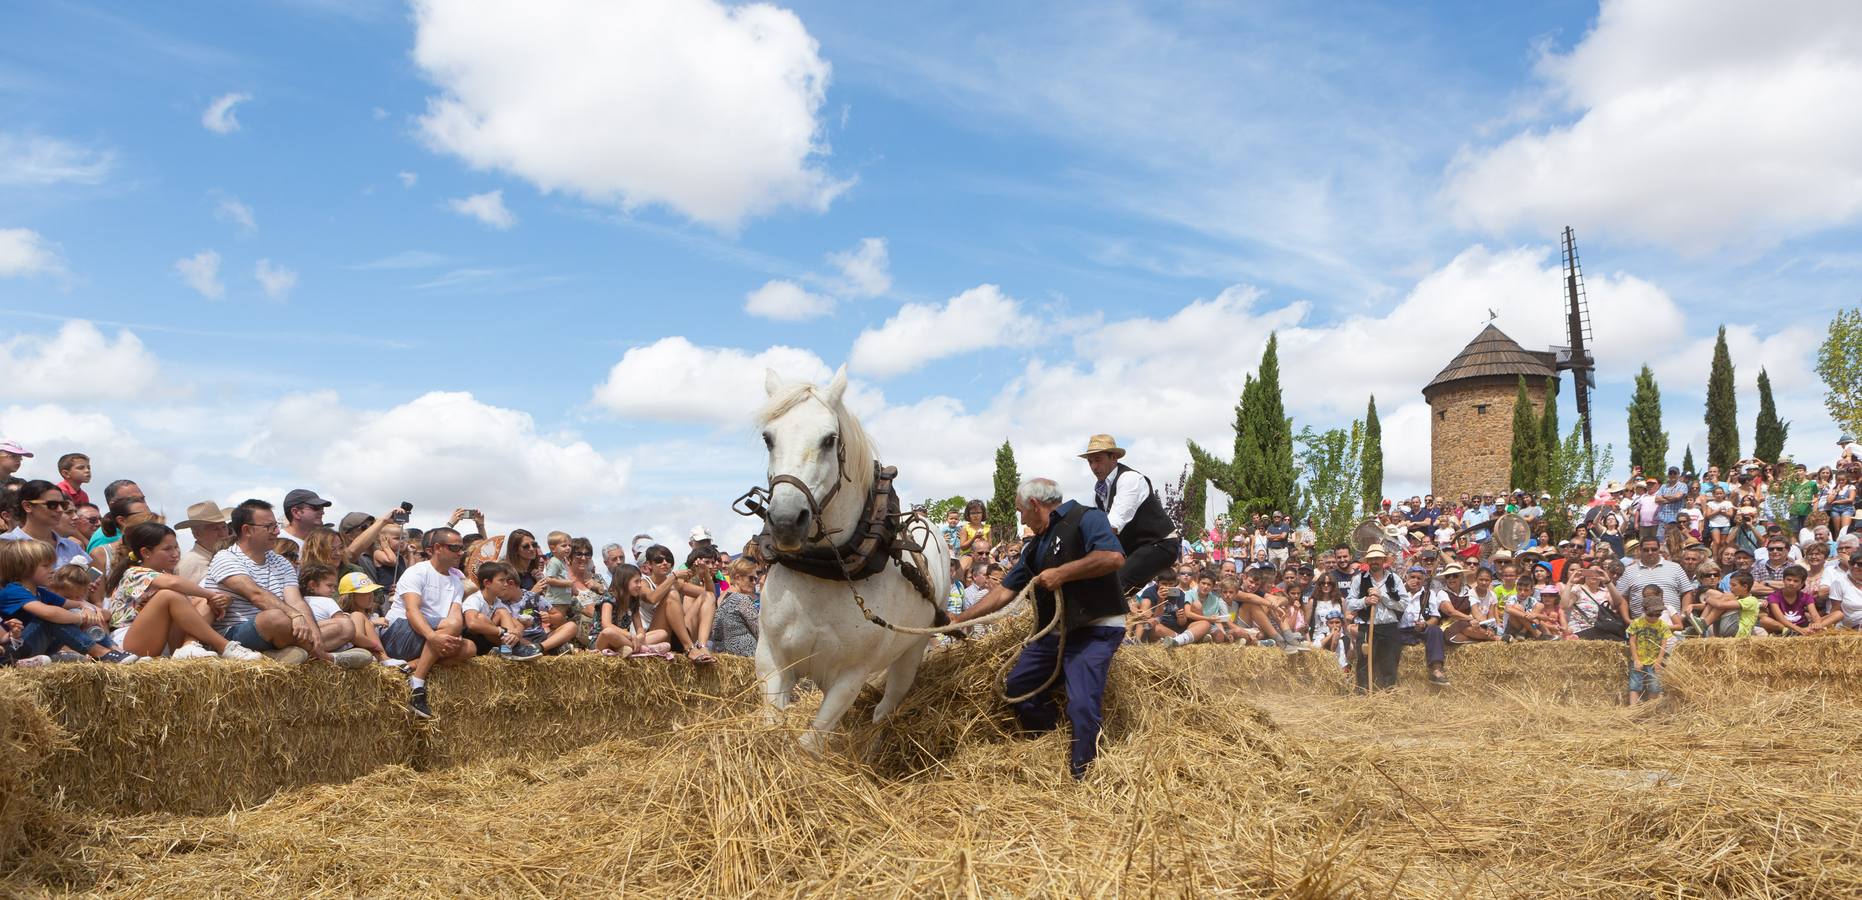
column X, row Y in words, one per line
column 27, row 739
column 207, row 736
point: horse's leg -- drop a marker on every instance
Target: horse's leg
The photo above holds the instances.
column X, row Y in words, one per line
column 899, row 678
column 834, row 702
column 778, row 683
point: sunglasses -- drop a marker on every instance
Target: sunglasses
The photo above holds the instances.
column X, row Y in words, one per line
column 51, row 504
column 456, row 548
column 581, row 556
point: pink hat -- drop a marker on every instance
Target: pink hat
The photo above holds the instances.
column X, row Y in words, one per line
column 14, row 448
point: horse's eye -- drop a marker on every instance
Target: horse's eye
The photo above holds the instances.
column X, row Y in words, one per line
column 827, row 443
column 769, row 443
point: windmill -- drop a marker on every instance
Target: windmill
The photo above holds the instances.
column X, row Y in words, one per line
column 1576, row 357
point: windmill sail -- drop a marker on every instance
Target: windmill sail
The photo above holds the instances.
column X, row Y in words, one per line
column 1577, row 358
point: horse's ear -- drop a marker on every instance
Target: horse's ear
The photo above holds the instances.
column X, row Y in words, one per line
column 771, row 382
column 837, row 387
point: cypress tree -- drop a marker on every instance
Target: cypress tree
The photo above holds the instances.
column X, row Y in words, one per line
column 1276, row 481
column 1195, row 496
column 1525, row 442
column 1371, row 468
column 1769, row 435
column 1648, row 443
column 1000, row 509
column 1687, row 461
column 1550, row 441
column 1722, row 409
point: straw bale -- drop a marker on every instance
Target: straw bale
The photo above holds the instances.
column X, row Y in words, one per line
column 208, row 735
column 27, row 738
column 488, row 707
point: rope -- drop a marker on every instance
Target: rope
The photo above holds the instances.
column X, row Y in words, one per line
column 1013, row 607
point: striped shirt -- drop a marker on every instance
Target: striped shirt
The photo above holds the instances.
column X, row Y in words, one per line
column 1667, row 575
column 275, row 574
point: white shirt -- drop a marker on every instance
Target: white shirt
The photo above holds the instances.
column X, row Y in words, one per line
column 1130, row 491
column 1845, row 592
column 322, row 607
column 438, row 593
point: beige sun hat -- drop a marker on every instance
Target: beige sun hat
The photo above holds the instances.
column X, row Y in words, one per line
column 205, row 512
column 1103, row 443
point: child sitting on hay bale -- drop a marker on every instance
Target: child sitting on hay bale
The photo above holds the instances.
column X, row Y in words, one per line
column 48, row 620
column 1648, row 646
column 562, row 628
column 317, row 582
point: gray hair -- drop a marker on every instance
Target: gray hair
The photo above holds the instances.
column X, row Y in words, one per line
column 607, row 547
column 1038, row 490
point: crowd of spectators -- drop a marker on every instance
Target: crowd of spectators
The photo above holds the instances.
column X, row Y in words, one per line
column 1763, row 550
column 114, row 583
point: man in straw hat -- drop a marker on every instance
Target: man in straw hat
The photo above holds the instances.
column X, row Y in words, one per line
column 1378, row 601
column 1073, row 546
column 208, row 522
column 1145, row 531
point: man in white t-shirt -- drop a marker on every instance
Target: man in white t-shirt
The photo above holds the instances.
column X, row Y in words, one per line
column 303, row 514
column 426, row 621
column 263, row 608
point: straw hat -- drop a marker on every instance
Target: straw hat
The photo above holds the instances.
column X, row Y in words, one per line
column 1375, row 552
column 205, row 512
column 1395, row 531
column 1451, row 569
column 1103, row 443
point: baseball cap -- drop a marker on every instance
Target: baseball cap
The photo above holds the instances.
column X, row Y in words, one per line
column 640, row 546
column 356, row 583
column 14, row 448
column 303, row 497
column 701, row 533
column 355, row 520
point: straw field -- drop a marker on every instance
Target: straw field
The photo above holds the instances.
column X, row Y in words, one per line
column 1223, row 772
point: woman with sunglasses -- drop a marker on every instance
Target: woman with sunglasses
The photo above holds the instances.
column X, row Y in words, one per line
column 522, row 554
column 43, row 515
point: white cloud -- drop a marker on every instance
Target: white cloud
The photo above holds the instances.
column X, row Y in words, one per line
column 786, row 301
column 25, row 252
column 864, row 270
column 202, row 273
column 277, row 281
column 230, row 209
column 574, row 96
column 28, row 159
column 408, row 179
column 487, row 208
column 440, row 450
column 77, row 363
column 219, row 117
column 980, row 318
column 1699, row 126
column 671, row 379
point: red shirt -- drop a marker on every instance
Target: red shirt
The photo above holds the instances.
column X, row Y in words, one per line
column 74, row 493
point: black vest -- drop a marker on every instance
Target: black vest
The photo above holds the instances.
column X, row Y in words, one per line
column 1087, row 599
column 1150, row 524
column 1363, row 581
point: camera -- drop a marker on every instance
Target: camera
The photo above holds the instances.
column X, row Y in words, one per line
column 400, row 518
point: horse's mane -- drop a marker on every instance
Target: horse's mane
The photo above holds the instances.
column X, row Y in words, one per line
column 860, row 450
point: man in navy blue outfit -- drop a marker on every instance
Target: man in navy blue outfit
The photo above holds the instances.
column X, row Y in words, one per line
column 1075, row 546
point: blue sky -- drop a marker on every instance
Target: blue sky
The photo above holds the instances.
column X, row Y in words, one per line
column 536, row 262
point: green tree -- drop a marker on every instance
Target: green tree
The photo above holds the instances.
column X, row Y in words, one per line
column 1839, row 364
column 1332, row 485
column 938, row 509
column 1549, row 435
column 1525, row 472
column 1372, row 468
column 1260, row 475
column 1571, row 475
column 1000, row 509
column 1769, row 434
column 1648, row 443
column 1190, row 497
column 1722, row 409
column 1687, row 460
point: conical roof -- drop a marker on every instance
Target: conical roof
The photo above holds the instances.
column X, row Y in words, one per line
column 1490, row 354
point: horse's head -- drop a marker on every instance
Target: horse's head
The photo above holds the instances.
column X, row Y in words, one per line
column 803, row 431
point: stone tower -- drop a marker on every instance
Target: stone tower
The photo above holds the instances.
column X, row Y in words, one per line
column 1471, row 412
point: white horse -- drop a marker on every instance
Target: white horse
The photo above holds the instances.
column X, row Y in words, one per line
column 811, row 626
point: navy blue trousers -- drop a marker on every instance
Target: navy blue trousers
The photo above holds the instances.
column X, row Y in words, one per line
column 1083, row 670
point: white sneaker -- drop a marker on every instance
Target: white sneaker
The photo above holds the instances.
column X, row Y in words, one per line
column 352, row 658
column 33, row 662
column 239, row 651
column 192, row 650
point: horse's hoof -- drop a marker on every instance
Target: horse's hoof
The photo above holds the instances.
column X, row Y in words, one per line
column 814, row 742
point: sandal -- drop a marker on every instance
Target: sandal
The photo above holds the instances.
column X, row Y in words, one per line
column 701, row 656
